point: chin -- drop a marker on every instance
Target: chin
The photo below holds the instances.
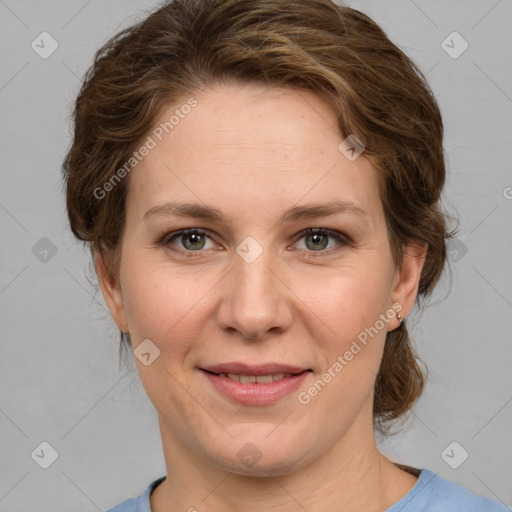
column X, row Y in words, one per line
column 262, row 468
column 260, row 457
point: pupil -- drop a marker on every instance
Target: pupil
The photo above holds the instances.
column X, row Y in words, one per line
column 193, row 236
column 315, row 237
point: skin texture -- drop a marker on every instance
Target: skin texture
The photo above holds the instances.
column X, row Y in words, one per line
column 252, row 152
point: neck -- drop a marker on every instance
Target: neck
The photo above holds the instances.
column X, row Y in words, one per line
column 351, row 476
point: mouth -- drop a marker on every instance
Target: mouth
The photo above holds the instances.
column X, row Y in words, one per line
column 255, row 384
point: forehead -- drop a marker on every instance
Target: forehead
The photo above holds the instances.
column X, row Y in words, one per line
column 249, row 145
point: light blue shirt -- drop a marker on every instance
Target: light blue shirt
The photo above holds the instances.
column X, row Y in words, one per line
column 431, row 493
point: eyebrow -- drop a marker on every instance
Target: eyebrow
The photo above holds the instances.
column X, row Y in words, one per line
column 308, row 211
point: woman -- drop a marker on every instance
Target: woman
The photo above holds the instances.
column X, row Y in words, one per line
column 259, row 185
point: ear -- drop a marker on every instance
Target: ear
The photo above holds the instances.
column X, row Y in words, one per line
column 111, row 289
column 407, row 278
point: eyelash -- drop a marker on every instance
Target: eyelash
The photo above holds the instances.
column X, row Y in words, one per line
column 342, row 239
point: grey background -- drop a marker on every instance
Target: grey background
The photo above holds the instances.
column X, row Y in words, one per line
column 60, row 381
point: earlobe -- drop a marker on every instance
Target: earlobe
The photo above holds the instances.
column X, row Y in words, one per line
column 408, row 276
column 111, row 290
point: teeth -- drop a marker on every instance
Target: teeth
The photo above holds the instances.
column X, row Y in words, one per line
column 264, row 379
column 247, row 379
column 251, row 379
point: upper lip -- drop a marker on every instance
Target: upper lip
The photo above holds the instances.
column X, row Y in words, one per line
column 254, row 369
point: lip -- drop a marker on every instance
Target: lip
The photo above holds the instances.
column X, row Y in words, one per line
column 255, row 393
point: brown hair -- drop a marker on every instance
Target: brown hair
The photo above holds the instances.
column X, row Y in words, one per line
column 337, row 52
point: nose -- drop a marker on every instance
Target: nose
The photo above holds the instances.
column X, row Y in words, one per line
column 255, row 297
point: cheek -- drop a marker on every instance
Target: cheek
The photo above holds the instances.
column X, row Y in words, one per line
column 164, row 303
column 343, row 302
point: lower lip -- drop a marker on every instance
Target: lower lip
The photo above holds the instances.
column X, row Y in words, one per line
column 254, row 393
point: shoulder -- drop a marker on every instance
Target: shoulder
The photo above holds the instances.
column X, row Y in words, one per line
column 433, row 493
column 130, row 505
column 140, row 503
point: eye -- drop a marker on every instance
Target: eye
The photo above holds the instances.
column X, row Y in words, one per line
column 316, row 240
column 192, row 240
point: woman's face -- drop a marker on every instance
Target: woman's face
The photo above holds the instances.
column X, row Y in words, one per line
column 251, row 294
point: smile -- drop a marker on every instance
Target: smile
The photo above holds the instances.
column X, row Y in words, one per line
column 257, row 388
